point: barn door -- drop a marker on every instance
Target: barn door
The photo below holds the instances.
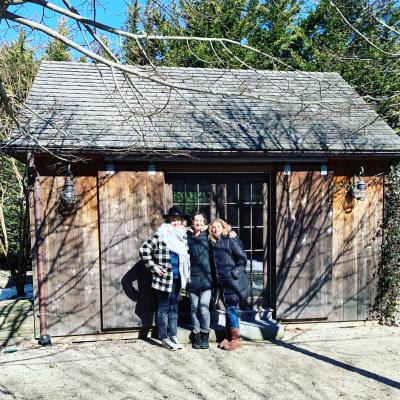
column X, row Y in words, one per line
column 130, row 207
column 303, row 245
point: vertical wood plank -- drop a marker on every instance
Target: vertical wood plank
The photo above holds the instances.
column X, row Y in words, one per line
column 267, row 294
column 376, row 221
column 304, row 245
column 341, row 207
column 168, row 196
column 34, row 265
column 363, row 217
column 155, row 200
column 283, row 223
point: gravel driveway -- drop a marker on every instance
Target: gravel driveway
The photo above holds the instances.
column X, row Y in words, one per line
column 321, row 363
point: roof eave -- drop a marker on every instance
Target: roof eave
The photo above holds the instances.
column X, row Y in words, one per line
column 196, row 155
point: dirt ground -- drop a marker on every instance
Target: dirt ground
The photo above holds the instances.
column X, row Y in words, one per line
column 323, row 363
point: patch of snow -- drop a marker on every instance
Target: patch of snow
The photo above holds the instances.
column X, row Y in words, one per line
column 11, row 293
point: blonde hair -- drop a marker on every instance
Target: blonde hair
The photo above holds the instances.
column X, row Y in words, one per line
column 225, row 229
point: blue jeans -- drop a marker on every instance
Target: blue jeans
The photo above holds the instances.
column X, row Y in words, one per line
column 199, row 307
column 167, row 310
column 232, row 315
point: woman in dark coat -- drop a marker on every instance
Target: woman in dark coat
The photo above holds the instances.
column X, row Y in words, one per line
column 201, row 281
column 230, row 262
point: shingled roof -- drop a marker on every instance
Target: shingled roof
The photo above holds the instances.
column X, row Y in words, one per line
column 89, row 107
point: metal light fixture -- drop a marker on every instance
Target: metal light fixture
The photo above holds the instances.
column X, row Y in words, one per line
column 68, row 196
column 359, row 189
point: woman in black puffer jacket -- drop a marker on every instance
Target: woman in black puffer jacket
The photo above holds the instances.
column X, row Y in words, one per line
column 201, row 281
column 230, row 262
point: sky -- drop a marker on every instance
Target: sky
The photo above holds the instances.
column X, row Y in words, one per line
column 111, row 12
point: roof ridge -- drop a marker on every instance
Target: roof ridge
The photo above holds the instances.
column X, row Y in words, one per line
column 170, row 68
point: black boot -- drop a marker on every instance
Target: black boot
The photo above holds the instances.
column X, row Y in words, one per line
column 192, row 336
column 197, row 341
column 204, row 340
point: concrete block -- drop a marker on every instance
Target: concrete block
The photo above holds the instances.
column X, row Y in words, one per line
column 252, row 327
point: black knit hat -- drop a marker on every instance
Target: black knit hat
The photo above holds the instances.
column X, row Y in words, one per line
column 175, row 212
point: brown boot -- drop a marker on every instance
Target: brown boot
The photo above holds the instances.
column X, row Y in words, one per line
column 225, row 342
column 235, row 343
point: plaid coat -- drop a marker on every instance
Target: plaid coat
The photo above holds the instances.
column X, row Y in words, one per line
column 155, row 252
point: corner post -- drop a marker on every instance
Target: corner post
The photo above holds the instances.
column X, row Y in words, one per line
column 38, row 249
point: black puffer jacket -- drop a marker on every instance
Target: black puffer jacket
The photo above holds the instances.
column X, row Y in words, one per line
column 200, row 268
column 230, row 262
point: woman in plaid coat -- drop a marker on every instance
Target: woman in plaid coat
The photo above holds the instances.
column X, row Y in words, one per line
column 166, row 255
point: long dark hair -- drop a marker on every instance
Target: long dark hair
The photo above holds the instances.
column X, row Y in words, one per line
column 198, row 212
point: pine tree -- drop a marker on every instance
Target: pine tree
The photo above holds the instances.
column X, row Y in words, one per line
column 144, row 52
column 277, row 32
column 270, row 26
column 57, row 50
column 17, row 68
column 131, row 51
column 331, row 45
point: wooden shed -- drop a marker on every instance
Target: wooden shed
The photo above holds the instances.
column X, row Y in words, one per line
column 282, row 156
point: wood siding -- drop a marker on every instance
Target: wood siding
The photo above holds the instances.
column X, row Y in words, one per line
column 130, row 208
column 356, row 249
column 303, row 245
column 72, row 259
column 324, row 249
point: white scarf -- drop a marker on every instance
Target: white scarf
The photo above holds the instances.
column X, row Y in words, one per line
column 176, row 240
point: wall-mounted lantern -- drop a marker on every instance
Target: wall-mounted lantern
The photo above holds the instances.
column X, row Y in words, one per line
column 68, row 196
column 358, row 190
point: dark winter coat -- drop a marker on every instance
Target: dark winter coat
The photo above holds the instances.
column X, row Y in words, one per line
column 200, row 268
column 230, row 262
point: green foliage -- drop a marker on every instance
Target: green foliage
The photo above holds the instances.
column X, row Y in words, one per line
column 98, row 49
column 277, row 32
column 57, row 50
column 331, row 45
column 13, row 201
column 387, row 301
column 143, row 52
column 18, row 67
column 269, row 26
column 131, row 50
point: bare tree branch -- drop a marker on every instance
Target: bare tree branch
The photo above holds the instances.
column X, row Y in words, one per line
column 123, row 33
column 386, row 25
column 351, row 26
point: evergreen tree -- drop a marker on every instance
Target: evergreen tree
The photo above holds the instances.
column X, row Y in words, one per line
column 277, row 32
column 143, row 52
column 131, row 51
column 17, row 69
column 233, row 19
column 331, row 45
column 270, row 26
column 57, row 50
